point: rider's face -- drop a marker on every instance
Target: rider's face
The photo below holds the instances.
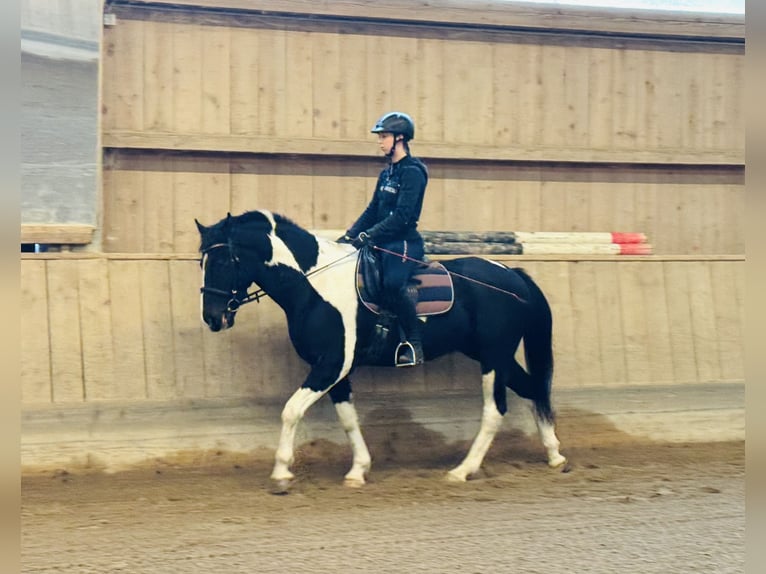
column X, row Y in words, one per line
column 385, row 141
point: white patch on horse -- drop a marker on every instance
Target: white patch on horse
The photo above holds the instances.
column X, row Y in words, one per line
column 337, row 286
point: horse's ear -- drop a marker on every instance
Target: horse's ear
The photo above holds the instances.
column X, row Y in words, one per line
column 201, row 228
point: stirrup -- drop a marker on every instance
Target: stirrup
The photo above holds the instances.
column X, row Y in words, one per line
column 406, row 356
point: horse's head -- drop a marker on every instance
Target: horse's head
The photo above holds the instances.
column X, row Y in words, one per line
column 224, row 284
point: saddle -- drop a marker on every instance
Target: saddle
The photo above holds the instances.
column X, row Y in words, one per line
column 430, row 286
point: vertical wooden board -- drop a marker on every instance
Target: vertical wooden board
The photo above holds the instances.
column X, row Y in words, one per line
column 602, row 100
column 326, row 84
column 245, row 184
column 215, row 80
column 690, row 219
column 158, row 213
column 553, row 200
column 404, row 75
column 660, row 351
column 648, row 136
column 729, row 329
column 249, row 350
column 157, row 323
column 585, row 316
column 554, row 105
column 530, row 95
column 610, row 328
column 468, row 65
column 187, row 78
column 96, row 325
column 680, row 320
column 125, row 76
column 127, row 339
column 339, row 198
column 703, row 322
column 636, row 332
column 577, row 206
column 506, row 101
column 624, row 218
column 553, row 279
column 272, row 74
column 602, row 203
column 185, row 281
column 578, row 96
column 123, row 195
column 158, row 76
column 300, row 98
column 430, row 89
column 378, row 73
column 217, row 361
column 669, row 68
column 109, row 109
column 35, row 342
column 645, row 208
column 434, row 214
column 733, row 128
column 66, row 357
column 529, row 202
column 624, row 120
column 354, row 121
column 201, row 190
column 668, row 230
column 244, row 92
column 691, row 126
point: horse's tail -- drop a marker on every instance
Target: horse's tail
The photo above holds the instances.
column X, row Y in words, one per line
column 538, row 347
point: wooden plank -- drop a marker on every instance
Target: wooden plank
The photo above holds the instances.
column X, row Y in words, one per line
column 157, row 205
column 429, row 123
column 301, row 67
column 577, row 100
column 57, row 233
column 187, row 78
column 65, row 331
column 467, row 65
column 96, row 324
column 624, row 88
column 216, row 80
column 158, row 76
column 555, row 128
column 680, row 321
column 462, row 12
column 505, row 94
column 585, row 314
column 35, row 344
column 272, row 73
column 243, row 94
column 636, row 332
column 670, row 68
column 187, row 329
column 127, row 339
column 325, row 85
column 157, row 323
column 354, row 121
column 610, row 327
column 403, row 53
column 729, row 329
column 703, row 322
column 660, row 351
column 601, row 102
column 123, row 207
column 528, row 150
column 378, row 74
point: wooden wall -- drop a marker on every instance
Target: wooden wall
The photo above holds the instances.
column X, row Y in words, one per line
column 206, row 110
column 127, row 328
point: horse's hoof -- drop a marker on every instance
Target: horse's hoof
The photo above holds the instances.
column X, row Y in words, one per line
column 453, row 476
column 281, row 487
column 353, row 482
column 557, row 461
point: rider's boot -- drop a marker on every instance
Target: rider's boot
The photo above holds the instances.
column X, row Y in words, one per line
column 409, row 352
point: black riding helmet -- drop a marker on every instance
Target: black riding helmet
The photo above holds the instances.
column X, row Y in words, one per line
column 395, row 123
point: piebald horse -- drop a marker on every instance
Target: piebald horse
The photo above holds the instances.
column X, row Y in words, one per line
column 314, row 281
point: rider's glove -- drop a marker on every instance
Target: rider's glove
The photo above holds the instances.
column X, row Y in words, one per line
column 361, row 240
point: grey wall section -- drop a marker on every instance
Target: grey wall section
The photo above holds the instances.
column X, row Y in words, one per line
column 59, row 140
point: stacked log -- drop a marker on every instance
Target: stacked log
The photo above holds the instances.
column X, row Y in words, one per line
column 535, row 243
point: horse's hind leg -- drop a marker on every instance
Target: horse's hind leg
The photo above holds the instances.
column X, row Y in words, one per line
column 360, row 465
column 491, row 419
column 546, row 430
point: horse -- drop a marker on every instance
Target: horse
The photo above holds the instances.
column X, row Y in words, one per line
column 314, row 280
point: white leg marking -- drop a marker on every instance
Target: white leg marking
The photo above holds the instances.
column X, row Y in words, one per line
column 491, row 420
column 548, row 437
column 293, row 412
column 360, row 465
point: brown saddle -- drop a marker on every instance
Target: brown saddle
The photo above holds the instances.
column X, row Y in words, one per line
column 432, row 282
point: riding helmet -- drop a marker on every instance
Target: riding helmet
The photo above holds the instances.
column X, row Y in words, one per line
column 395, row 123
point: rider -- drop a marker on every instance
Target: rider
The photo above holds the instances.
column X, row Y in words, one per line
column 390, row 222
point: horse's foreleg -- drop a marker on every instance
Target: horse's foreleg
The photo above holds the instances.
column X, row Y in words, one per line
column 547, row 432
column 491, row 421
column 292, row 413
column 360, row 465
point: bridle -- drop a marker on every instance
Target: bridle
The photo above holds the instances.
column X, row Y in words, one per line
column 235, row 302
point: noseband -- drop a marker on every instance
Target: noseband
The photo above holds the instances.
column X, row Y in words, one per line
column 234, row 302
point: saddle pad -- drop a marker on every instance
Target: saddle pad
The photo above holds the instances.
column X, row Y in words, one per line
column 434, row 288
